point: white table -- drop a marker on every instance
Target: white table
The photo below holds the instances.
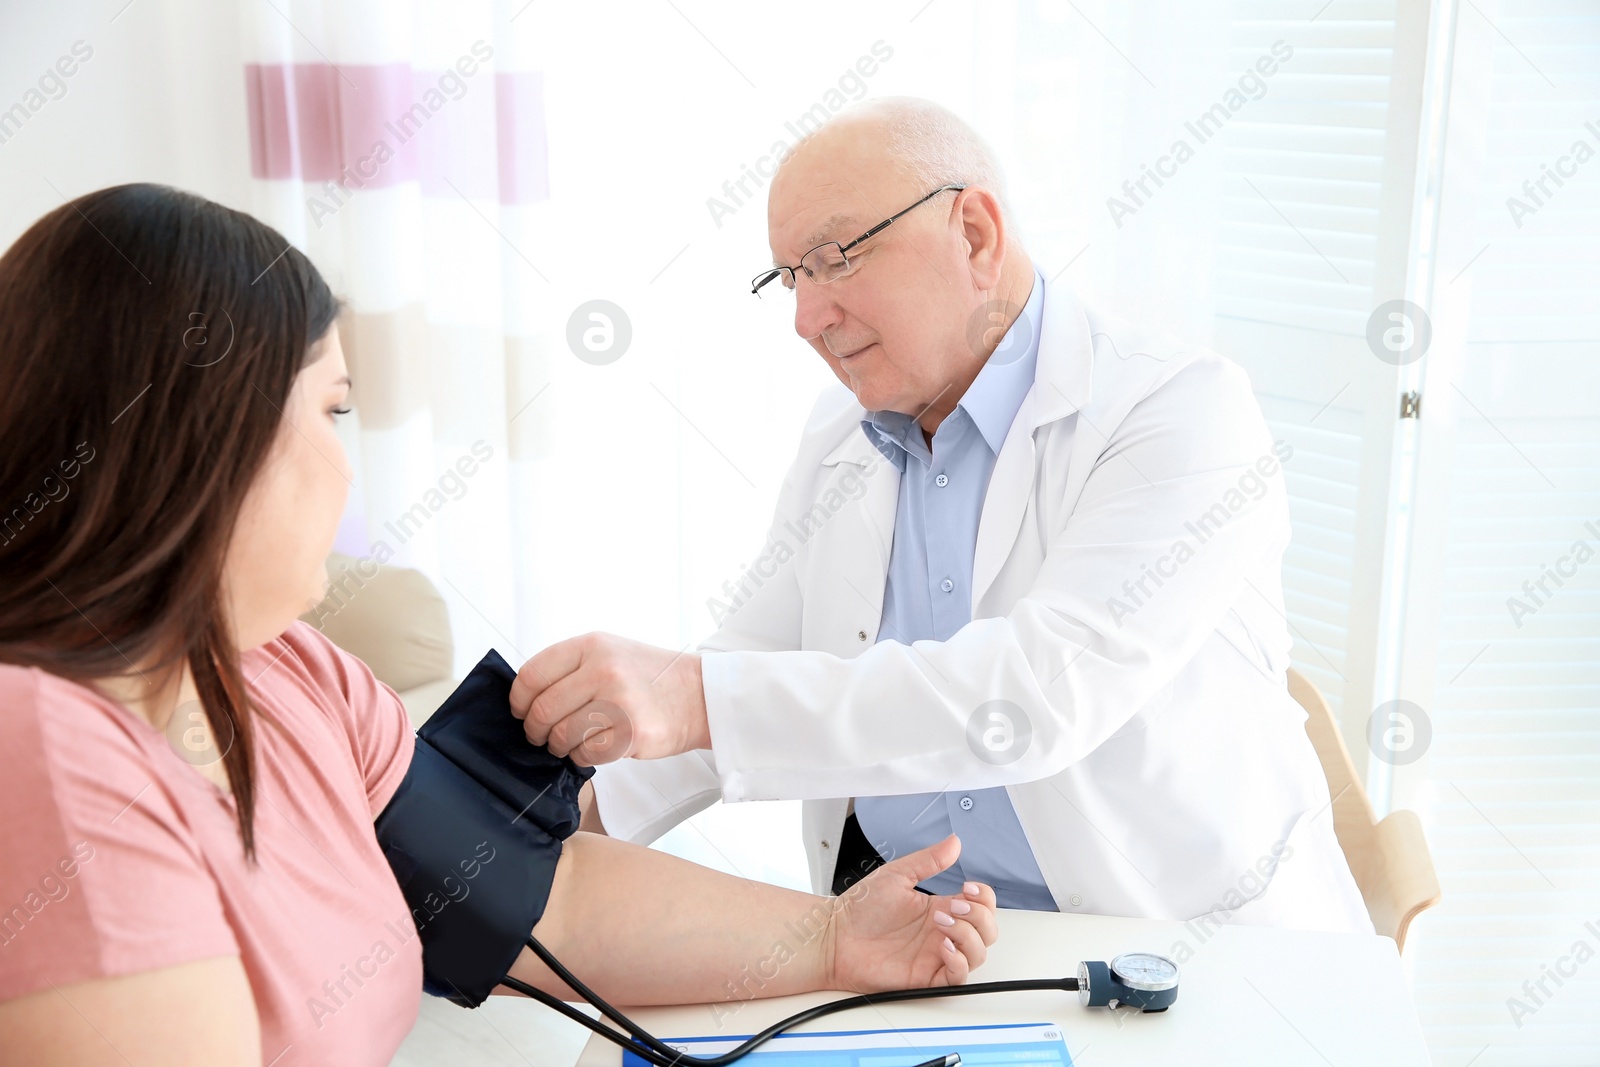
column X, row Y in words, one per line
column 1247, row 996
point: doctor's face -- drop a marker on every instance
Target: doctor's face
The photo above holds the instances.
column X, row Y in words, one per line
column 894, row 330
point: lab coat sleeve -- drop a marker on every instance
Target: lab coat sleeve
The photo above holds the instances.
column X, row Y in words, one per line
column 1177, row 494
column 639, row 800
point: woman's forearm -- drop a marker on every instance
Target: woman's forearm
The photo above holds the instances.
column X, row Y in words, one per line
column 642, row 927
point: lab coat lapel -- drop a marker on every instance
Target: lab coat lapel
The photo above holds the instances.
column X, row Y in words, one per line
column 861, row 555
column 1061, row 386
column 1003, row 504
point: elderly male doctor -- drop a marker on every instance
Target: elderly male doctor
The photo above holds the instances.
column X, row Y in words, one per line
column 1023, row 583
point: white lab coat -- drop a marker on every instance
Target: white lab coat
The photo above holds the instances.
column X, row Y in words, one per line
column 1166, row 772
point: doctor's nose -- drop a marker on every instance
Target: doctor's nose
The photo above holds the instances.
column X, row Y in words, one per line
column 815, row 310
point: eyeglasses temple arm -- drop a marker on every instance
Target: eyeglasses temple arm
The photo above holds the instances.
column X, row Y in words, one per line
column 880, row 227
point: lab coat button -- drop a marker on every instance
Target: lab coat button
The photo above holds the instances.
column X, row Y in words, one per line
column 966, row 803
column 862, row 634
column 1075, row 898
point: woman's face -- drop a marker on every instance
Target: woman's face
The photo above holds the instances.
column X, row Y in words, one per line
column 275, row 568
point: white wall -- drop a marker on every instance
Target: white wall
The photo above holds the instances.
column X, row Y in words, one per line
column 159, row 100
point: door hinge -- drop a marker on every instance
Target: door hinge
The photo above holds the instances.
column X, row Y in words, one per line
column 1411, row 405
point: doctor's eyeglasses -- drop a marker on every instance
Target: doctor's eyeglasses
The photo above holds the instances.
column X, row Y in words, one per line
column 831, row 261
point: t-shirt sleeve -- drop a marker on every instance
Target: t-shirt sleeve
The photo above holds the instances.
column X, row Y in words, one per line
column 100, row 876
column 371, row 713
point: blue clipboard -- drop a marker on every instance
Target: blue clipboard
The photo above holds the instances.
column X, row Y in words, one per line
column 1029, row 1044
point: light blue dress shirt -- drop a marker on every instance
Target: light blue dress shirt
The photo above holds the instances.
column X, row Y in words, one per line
column 928, row 597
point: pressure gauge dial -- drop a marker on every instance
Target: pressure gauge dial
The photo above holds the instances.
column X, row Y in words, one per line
column 1141, row 979
column 1145, row 971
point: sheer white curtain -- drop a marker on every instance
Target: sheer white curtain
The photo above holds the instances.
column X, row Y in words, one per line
column 403, row 147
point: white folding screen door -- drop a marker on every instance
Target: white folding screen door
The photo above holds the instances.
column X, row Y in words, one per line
column 1312, row 257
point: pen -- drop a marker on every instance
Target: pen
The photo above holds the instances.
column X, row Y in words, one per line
column 952, row 1060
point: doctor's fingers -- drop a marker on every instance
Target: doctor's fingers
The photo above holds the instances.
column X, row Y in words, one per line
column 543, row 670
column 554, row 704
column 599, row 732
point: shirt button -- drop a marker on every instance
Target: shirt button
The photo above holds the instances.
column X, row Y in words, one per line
column 1076, row 900
column 947, row 585
column 941, row 481
column 966, row 803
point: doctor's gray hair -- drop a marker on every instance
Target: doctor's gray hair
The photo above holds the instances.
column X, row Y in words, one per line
column 931, row 144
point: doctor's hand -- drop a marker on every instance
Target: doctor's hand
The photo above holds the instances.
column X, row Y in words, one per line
column 887, row 935
column 599, row 698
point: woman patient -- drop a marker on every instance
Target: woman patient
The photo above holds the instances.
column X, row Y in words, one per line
column 189, row 776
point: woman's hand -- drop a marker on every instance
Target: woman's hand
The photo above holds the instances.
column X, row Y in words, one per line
column 887, row 935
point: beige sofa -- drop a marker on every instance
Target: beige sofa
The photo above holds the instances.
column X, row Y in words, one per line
column 394, row 620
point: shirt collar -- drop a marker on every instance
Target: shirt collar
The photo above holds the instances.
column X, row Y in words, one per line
column 994, row 397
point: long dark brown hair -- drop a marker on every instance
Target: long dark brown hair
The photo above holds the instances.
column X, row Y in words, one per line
column 149, row 339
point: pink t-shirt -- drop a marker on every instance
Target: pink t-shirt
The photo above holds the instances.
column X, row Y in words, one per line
column 116, row 856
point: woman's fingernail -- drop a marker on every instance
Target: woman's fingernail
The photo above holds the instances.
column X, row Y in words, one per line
column 949, row 945
column 971, row 889
column 942, row 919
column 959, row 907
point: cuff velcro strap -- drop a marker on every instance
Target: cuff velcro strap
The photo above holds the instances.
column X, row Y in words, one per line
column 474, row 833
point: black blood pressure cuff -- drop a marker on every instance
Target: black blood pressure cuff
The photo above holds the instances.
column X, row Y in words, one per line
column 474, row 833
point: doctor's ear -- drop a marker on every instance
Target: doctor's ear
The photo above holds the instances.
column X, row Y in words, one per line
column 983, row 226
